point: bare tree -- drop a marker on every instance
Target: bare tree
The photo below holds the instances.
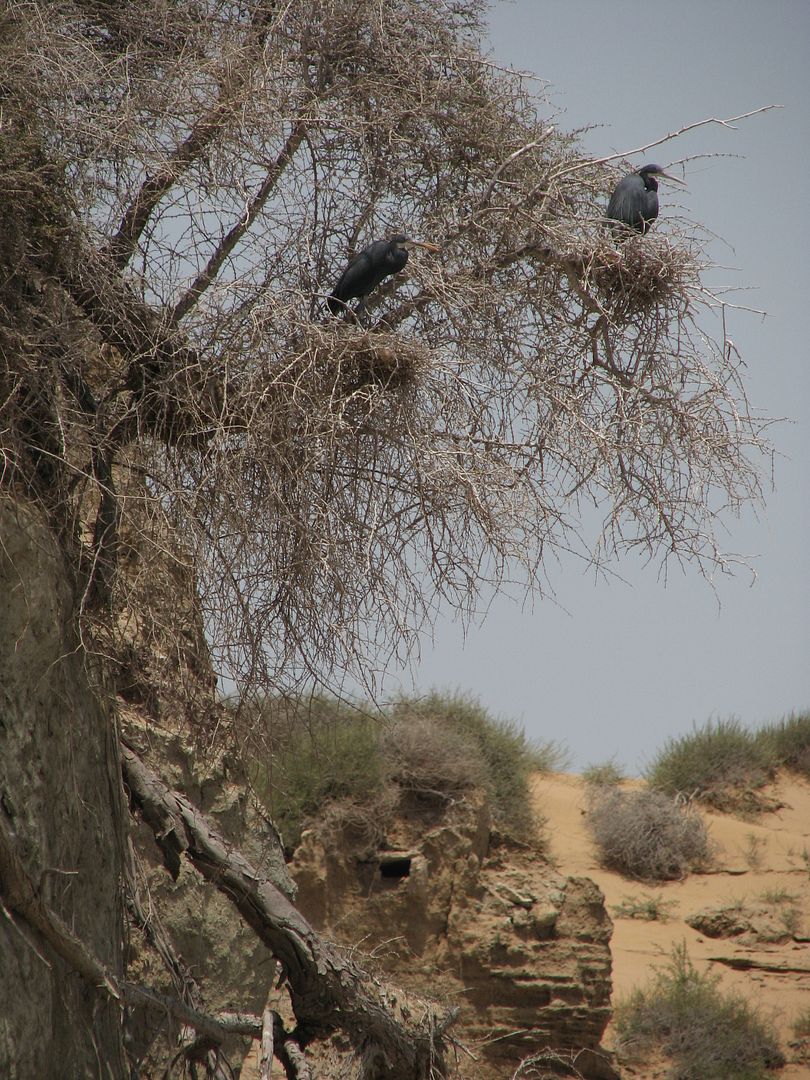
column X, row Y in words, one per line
column 334, row 483
column 185, row 183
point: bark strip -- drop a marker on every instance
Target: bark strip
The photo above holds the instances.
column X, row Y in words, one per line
column 397, row 1035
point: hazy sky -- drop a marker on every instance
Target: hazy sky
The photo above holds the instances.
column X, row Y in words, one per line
column 615, row 668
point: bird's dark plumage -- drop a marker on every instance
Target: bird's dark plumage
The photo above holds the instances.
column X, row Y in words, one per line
column 634, row 202
column 368, row 268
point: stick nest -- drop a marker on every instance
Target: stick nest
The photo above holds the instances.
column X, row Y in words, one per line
column 636, row 273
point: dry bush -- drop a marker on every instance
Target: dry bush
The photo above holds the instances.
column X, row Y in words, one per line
column 425, row 757
column 646, row 834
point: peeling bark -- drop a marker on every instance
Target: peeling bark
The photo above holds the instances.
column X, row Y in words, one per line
column 397, row 1036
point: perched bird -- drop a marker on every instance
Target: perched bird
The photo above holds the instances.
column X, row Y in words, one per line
column 634, row 202
column 369, row 267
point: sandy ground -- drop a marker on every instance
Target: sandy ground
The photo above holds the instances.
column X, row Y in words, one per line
column 768, row 855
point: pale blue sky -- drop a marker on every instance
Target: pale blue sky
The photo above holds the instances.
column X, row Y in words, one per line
column 618, row 667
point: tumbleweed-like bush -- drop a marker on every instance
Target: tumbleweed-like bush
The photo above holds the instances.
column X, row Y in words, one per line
column 646, row 834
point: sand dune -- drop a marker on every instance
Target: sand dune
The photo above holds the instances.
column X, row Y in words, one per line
column 756, row 860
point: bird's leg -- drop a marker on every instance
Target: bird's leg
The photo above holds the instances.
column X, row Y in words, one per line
column 360, row 311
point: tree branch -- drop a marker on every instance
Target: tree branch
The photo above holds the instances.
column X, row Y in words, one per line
column 21, row 896
column 234, row 235
column 398, row 1036
column 729, row 123
column 211, row 124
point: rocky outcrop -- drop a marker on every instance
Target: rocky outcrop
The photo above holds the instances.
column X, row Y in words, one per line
column 523, row 952
column 57, row 741
column 750, row 923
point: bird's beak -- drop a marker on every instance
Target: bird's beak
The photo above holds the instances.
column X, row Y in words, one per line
column 669, row 176
column 427, row 247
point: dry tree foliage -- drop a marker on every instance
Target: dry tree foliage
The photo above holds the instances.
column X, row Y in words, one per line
column 204, row 168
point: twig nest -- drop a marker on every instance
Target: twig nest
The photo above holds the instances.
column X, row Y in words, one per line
column 640, row 271
column 348, row 358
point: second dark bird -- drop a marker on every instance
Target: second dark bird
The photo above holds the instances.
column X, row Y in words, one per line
column 369, row 267
column 634, row 202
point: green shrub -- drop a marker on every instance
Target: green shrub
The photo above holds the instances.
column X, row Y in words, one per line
column 508, row 756
column 708, row 1034
column 646, row 906
column 646, row 834
column 321, row 751
column 788, row 742
column 608, row 774
column 327, row 758
column 722, row 762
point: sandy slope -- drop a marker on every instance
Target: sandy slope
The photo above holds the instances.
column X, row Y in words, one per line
column 754, row 857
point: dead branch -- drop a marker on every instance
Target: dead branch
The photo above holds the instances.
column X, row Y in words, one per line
column 235, row 234
column 266, row 1058
column 397, row 1036
column 21, row 896
column 232, row 80
column 623, row 154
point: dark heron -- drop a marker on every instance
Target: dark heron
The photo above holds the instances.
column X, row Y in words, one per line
column 634, row 202
column 369, row 267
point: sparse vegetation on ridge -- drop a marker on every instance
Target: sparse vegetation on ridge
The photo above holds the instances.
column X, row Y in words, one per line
column 719, row 763
column 509, row 757
column 788, row 740
column 606, row 774
column 724, row 764
column 708, row 1034
column 326, row 753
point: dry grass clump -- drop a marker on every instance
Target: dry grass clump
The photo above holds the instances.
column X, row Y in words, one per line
column 722, row 764
column 646, row 834
column 708, row 1034
column 429, row 758
column 646, row 907
column 547, row 1065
